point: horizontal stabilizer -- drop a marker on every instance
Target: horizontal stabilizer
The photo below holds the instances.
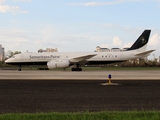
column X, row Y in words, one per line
column 82, row 58
column 144, row 53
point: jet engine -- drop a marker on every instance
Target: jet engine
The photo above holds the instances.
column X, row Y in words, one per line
column 58, row 64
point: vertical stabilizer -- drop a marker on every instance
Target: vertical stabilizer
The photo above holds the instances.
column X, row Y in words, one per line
column 141, row 42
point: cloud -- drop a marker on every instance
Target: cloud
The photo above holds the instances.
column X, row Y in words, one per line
column 21, row 0
column 154, row 43
column 117, row 41
column 101, row 3
column 2, row 2
column 13, row 9
column 18, row 39
column 155, row 40
column 106, row 46
column 128, row 45
column 14, row 35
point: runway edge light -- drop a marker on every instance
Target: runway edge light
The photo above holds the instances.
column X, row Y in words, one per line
column 109, row 78
column 109, row 81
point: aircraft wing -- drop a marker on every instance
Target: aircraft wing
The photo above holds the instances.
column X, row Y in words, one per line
column 144, row 53
column 81, row 58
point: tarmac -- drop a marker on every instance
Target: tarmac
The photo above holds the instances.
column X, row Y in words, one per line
column 83, row 75
column 66, row 91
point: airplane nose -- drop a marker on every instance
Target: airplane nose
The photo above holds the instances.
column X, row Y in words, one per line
column 8, row 60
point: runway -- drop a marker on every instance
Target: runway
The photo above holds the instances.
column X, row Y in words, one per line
column 66, row 91
column 32, row 96
column 84, row 75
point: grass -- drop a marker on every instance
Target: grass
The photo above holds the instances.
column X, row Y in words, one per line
column 128, row 115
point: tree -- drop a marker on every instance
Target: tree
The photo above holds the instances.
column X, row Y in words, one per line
column 17, row 52
column 11, row 53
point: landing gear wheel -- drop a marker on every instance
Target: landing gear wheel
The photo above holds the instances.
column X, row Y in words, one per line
column 79, row 69
column 19, row 69
column 76, row 69
column 73, row 69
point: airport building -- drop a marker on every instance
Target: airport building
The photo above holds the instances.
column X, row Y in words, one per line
column 115, row 50
column 48, row 50
column 2, row 53
column 99, row 49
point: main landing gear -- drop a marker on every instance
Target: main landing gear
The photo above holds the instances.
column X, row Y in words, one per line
column 19, row 69
column 77, row 68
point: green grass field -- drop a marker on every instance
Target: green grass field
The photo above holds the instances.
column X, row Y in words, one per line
column 129, row 115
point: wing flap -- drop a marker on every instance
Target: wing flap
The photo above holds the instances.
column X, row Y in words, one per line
column 144, row 53
column 82, row 58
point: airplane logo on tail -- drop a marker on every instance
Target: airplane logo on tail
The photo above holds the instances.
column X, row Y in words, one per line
column 143, row 40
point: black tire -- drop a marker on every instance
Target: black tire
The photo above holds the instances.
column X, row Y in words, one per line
column 76, row 69
column 80, row 69
column 73, row 69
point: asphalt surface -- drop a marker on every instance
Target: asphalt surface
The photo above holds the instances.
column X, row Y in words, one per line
column 32, row 96
column 83, row 75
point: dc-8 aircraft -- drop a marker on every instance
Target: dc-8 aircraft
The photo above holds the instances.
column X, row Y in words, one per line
column 67, row 59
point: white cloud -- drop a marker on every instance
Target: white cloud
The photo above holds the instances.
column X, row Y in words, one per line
column 13, row 9
column 21, row 0
column 2, row 2
column 154, row 43
column 17, row 39
column 106, row 46
column 155, row 40
column 128, row 45
column 14, row 35
column 117, row 41
column 101, row 3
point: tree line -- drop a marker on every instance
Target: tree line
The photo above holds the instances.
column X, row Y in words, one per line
column 9, row 54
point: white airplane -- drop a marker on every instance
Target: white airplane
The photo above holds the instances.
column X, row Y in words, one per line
column 67, row 59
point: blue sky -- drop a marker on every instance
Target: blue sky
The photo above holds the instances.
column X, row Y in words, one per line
column 77, row 25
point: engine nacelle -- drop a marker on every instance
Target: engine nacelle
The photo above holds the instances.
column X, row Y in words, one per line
column 58, row 64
